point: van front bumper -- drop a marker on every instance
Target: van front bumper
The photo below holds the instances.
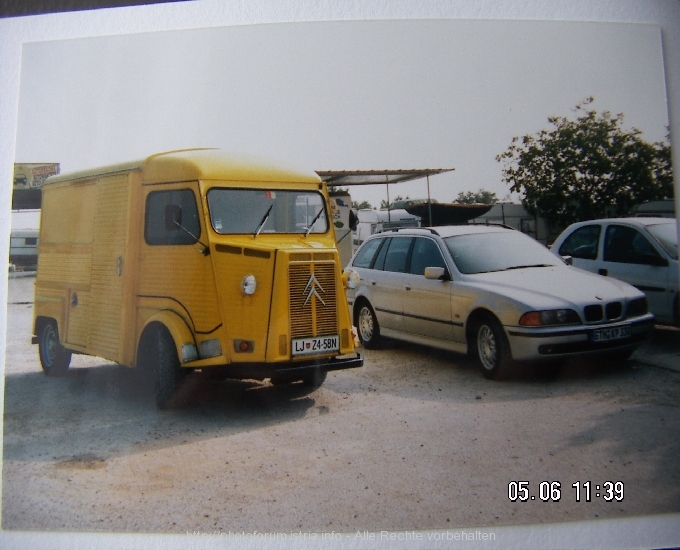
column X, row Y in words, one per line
column 298, row 369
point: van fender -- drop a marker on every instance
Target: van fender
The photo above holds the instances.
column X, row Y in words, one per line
column 181, row 333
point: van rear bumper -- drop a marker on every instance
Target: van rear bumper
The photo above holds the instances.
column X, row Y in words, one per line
column 260, row 371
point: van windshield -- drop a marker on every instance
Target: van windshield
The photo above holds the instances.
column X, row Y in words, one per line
column 254, row 211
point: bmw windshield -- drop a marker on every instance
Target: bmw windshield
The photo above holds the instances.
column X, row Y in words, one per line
column 485, row 252
column 259, row 211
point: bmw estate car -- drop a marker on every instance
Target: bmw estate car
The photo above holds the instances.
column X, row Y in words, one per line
column 640, row 251
column 492, row 292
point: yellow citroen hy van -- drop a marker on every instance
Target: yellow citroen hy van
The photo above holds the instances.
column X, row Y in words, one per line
column 192, row 260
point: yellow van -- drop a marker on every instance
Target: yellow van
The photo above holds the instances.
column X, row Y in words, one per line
column 192, row 260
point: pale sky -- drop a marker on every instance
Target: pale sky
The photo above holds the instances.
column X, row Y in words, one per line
column 338, row 95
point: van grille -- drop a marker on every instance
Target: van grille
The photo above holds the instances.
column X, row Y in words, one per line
column 313, row 299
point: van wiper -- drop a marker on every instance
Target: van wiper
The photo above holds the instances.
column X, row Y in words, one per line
column 309, row 228
column 263, row 220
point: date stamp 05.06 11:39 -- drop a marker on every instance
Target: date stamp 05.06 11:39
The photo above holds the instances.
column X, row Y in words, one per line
column 551, row 491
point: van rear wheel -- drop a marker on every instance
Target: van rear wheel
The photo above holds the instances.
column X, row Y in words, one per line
column 54, row 358
column 169, row 373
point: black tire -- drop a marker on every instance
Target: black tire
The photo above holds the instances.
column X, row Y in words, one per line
column 367, row 325
column 314, row 380
column 169, row 373
column 493, row 349
column 54, row 358
column 311, row 381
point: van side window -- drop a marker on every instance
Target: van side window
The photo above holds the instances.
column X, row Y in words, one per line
column 162, row 207
column 582, row 243
column 627, row 245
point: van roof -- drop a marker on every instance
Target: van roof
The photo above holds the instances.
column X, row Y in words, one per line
column 198, row 164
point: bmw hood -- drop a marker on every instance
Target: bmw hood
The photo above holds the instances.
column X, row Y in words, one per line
column 550, row 287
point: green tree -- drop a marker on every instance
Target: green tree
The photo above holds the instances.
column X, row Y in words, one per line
column 360, row 205
column 480, row 197
column 584, row 168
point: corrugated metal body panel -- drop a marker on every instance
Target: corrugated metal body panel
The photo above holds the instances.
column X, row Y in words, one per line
column 79, row 319
column 246, row 317
column 62, row 266
column 180, row 273
column 108, row 258
column 71, row 214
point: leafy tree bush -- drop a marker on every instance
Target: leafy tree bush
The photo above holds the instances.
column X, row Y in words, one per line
column 480, row 197
column 586, row 168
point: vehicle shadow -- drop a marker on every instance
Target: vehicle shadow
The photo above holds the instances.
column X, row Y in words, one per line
column 110, row 410
column 415, row 371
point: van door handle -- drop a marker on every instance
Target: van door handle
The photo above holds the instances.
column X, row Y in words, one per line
column 602, row 272
column 119, row 265
column 407, row 287
column 373, row 283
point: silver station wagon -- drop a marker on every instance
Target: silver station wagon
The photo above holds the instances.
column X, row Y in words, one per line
column 492, row 292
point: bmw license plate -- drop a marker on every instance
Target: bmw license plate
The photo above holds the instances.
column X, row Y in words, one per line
column 610, row 333
column 322, row 344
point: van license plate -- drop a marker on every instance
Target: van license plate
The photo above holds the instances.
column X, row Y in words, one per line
column 611, row 333
column 322, row 344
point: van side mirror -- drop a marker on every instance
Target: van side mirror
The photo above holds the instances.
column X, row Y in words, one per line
column 569, row 260
column 437, row 273
column 173, row 217
column 353, row 220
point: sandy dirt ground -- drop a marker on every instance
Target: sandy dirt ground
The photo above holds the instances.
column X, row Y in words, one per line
column 416, row 439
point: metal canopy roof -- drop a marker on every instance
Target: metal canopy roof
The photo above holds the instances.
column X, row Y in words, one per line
column 372, row 177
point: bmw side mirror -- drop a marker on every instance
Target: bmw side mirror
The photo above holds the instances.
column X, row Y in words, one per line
column 437, row 273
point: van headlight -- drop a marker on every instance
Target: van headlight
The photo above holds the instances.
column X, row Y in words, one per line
column 350, row 279
column 249, row 285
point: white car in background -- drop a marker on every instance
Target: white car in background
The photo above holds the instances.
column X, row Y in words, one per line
column 493, row 291
column 639, row 251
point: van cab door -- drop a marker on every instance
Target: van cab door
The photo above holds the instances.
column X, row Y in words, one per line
column 175, row 276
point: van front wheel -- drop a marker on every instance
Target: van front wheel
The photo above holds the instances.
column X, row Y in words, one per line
column 54, row 358
column 169, row 373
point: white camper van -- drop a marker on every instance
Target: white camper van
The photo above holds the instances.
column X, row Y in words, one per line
column 377, row 221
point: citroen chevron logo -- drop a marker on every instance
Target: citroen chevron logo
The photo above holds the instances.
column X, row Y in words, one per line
column 312, row 286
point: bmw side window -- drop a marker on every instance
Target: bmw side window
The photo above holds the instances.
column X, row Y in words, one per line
column 397, row 254
column 379, row 261
column 425, row 254
column 365, row 256
column 582, row 243
column 627, row 245
column 171, row 218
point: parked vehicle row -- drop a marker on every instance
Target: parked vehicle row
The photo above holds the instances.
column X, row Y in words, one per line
column 494, row 293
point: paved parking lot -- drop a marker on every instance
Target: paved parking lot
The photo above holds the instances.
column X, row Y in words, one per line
column 416, row 439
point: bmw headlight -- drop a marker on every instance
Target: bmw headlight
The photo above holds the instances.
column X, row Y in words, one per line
column 249, row 285
column 550, row 317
